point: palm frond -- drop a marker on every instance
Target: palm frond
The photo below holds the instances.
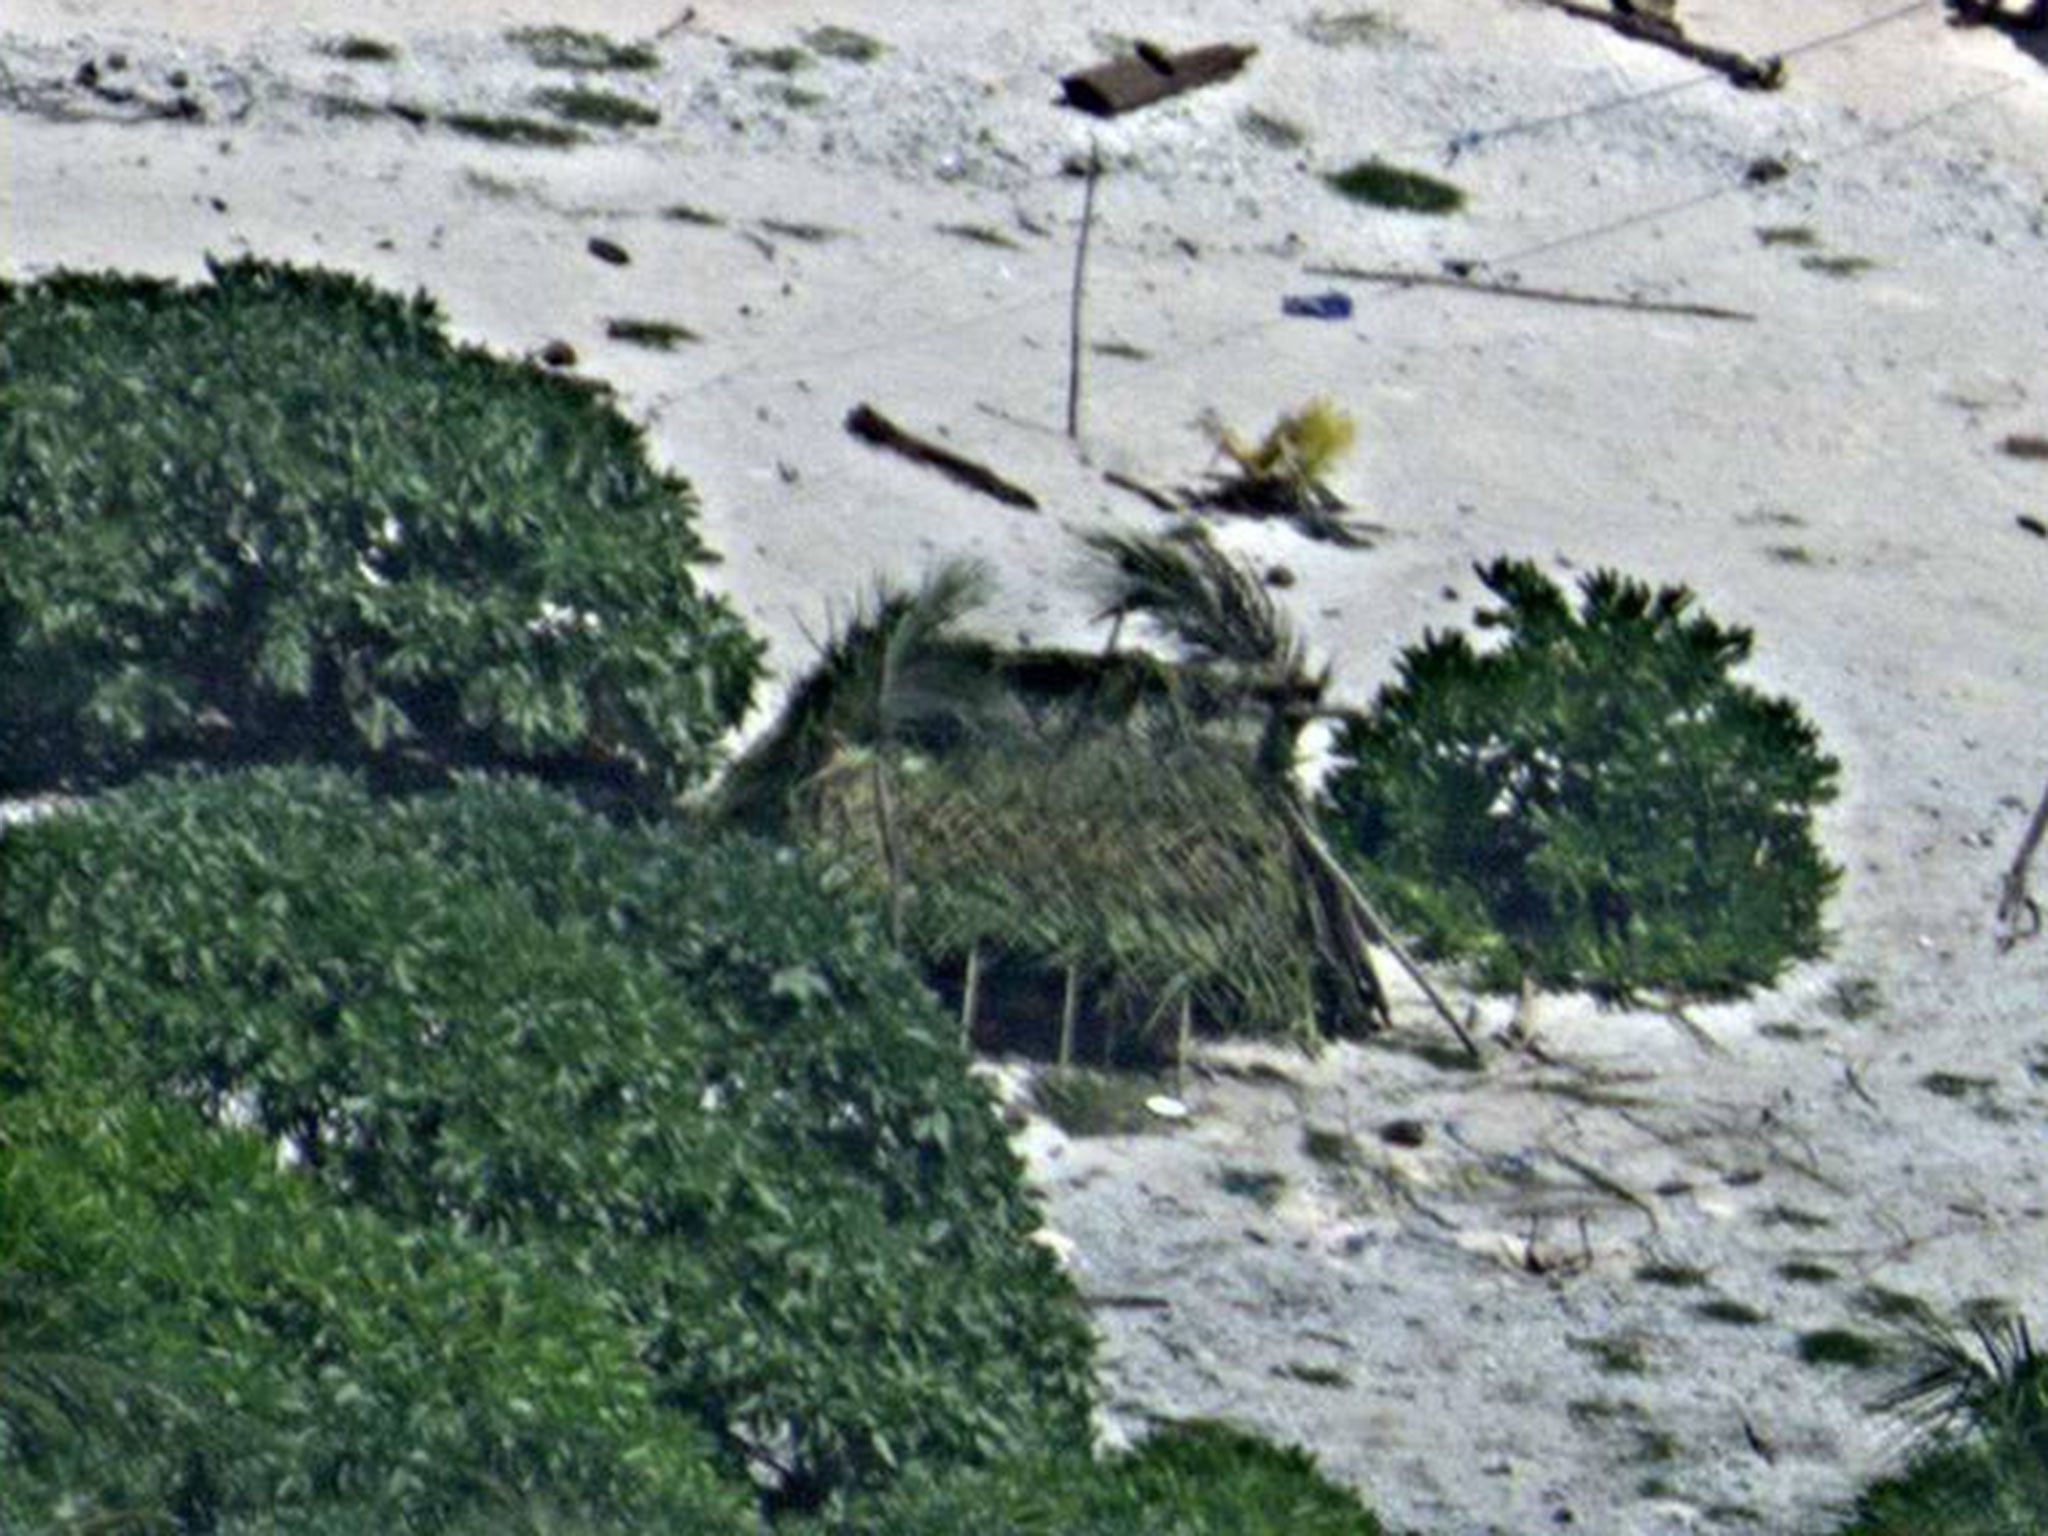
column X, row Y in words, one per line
column 1988, row 1381
column 1215, row 607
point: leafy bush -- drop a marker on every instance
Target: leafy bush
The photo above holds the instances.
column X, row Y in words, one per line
column 1196, row 1479
column 1594, row 801
column 282, row 515
column 196, row 1341
column 1381, row 185
column 675, row 1067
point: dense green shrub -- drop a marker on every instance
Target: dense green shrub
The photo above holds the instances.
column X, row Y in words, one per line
column 1594, row 801
column 677, row 1067
column 1197, row 1479
column 196, row 1341
column 281, row 515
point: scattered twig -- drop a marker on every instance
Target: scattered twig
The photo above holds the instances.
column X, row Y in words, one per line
column 1400, row 278
column 2019, row 915
column 1382, row 934
column 1855, row 1082
column 1766, row 74
column 1163, row 500
column 1129, row 1301
column 1606, row 1183
column 1080, row 292
column 871, row 426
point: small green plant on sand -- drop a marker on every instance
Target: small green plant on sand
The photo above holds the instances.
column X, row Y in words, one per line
column 570, row 48
column 844, row 43
column 1084, row 1102
column 657, row 335
column 503, row 128
column 1380, row 185
column 599, row 109
column 358, row 49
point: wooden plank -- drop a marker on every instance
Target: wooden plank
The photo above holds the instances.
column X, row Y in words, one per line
column 1152, row 74
column 871, row 426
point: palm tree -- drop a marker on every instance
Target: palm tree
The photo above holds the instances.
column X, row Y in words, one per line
column 1245, row 658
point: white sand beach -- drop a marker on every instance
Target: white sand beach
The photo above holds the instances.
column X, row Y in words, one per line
column 1457, row 1328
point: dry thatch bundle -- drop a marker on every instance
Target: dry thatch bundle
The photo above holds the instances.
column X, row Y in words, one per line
column 1145, row 855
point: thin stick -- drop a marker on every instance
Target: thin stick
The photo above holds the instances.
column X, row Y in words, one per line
column 2019, row 915
column 1080, row 290
column 1382, row 934
column 970, row 995
column 1187, row 1034
column 1399, row 278
column 1070, row 1013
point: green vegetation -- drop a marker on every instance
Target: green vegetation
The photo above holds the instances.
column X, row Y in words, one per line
column 1380, row 185
column 980, row 234
column 656, row 335
column 340, row 537
column 569, row 48
column 1977, row 1409
column 1843, row 1347
column 1725, row 1309
column 1084, row 1102
column 844, row 43
column 358, row 49
column 1622, row 1354
column 685, row 213
column 198, row 1341
column 1837, row 266
column 1677, row 1276
column 1121, row 827
column 1799, row 236
column 506, row 128
column 1592, row 802
column 1806, row 1272
column 1261, row 1186
column 1852, row 999
column 1192, row 1479
column 595, row 108
column 668, row 1076
column 1272, row 130
column 1286, row 472
column 784, row 60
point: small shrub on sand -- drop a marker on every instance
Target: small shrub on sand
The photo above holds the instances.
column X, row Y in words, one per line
column 1380, row 185
column 595, row 108
column 570, row 48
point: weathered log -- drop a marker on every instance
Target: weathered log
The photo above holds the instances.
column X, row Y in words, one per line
column 871, row 426
column 1765, row 74
column 1152, row 74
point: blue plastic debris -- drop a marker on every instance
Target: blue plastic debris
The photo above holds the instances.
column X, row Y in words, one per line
column 1318, row 306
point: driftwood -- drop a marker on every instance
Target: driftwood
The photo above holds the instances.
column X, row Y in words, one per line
column 1151, row 74
column 2019, row 915
column 1402, row 279
column 871, row 426
column 1749, row 74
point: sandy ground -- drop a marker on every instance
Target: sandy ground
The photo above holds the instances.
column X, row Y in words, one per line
column 1458, row 1327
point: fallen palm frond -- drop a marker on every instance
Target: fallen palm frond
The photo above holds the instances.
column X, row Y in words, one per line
column 1285, row 473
